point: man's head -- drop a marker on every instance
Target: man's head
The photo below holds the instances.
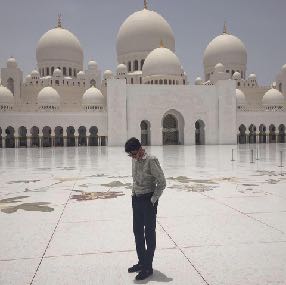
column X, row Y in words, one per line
column 133, row 148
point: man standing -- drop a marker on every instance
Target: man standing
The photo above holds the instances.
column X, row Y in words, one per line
column 148, row 185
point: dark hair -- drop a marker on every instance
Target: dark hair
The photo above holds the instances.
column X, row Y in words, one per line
column 132, row 144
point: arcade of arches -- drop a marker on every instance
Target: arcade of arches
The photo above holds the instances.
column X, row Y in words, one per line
column 46, row 138
column 262, row 134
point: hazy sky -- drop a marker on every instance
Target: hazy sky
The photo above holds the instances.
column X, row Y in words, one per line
column 260, row 24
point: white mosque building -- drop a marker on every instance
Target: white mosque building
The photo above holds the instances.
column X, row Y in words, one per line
column 148, row 96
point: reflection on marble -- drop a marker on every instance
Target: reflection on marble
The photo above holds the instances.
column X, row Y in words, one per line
column 71, row 207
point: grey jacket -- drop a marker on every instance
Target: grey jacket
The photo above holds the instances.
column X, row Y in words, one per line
column 148, row 176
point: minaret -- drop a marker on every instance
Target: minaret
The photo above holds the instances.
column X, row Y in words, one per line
column 59, row 21
column 225, row 28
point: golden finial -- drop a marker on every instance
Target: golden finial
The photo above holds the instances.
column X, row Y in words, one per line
column 145, row 4
column 225, row 28
column 161, row 44
column 59, row 20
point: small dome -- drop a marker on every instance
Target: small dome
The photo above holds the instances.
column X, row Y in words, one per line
column 11, row 62
column 28, row 78
column 162, row 61
column 35, row 73
column 57, row 73
column 198, row 81
column 236, row 76
column 6, row 96
column 219, row 67
column 240, row 98
column 92, row 64
column 107, row 74
column 92, row 96
column 81, row 75
column 273, row 98
column 283, row 68
column 252, row 76
column 48, row 96
column 121, row 68
column 142, row 32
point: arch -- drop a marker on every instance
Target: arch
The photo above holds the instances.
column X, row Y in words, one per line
column 59, row 136
column 173, row 125
column 93, row 136
column 64, row 71
column 70, row 136
column 242, row 135
column 145, row 132
column 22, row 132
column 82, row 136
column 1, row 137
column 10, row 84
column 47, row 138
column 280, row 87
column 52, row 70
column 129, row 66
column 281, row 134
column 35, row 139
column 70, row 71
column 272, row 134
column 262, row 134
column 10, row 137
column 135, row 65
column 252, row 134
column 200, row 132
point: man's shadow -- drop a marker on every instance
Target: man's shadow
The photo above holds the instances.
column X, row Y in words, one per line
column 156, row 276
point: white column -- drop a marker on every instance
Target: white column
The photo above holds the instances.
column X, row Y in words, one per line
column 28, row 141
column 99, row 141
column 3, row 142
column 65, row 137
column 53, row 138
column 76, row 137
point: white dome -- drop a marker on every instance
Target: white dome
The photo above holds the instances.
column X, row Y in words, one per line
column 161, row 61
column 142, row 32
column 92, row 96
column 219, row 67
column 198, row 81
column 35, row 73
column 59, row 45
column 81, row 75
column 6, row 96
column 28, row 77
column 92, row 64
column 273, row 98
column 57, row 73
column 48, row 96
column 236, row 76
column 227, row 49
column 240, row 98
column 11, row 62
column 107, row 74
column 121, row 68
column 283, row 68
column 252, row 76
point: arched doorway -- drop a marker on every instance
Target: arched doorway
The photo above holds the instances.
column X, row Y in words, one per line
column 22, row 137
column 93, row 136
column 145, row 132
column 281, row 134
column 35, row 139
column 10, row 138
column 47, row 138
column 272, row 134
column 252, row 134
column 170, row 130
column 59, row 136
column 242, row 135
column 200, row 132
column 82, row 136
column 10, row 84
column 262, row 134
column 70, row 136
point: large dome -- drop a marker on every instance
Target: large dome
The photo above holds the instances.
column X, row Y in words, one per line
column 162, row 61
column 92, row 96
column 142, row 32
column 228, row 50
column 273, row 98
column 59, row 45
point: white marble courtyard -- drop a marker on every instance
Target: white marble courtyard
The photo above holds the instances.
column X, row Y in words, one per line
column 66, row 216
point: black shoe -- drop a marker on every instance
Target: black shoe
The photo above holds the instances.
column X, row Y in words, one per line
column 143, row 274
column 135, row 268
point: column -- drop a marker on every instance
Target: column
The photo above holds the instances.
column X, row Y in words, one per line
column 3, row 142
column 65, row 137
column 267, row 137
column 28, row 141
column 99, row 141
column 16, row 142
column 53, row 138
column 76, row 137
column 247, row 137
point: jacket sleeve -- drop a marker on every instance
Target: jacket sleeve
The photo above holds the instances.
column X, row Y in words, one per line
column 157, row 172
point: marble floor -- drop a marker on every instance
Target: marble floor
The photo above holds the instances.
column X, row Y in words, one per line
column 66, row 216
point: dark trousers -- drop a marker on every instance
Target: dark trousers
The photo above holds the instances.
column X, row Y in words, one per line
column 144, row 228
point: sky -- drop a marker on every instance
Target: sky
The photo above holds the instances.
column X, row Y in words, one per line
column 260, row 24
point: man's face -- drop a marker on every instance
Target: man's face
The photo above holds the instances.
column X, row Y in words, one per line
column 134, row 154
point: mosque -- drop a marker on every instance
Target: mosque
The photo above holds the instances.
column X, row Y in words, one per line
column 149, row 96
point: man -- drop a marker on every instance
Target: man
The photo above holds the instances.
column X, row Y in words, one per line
column 148, row 185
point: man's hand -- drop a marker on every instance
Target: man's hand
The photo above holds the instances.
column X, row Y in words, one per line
column 153, row 200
